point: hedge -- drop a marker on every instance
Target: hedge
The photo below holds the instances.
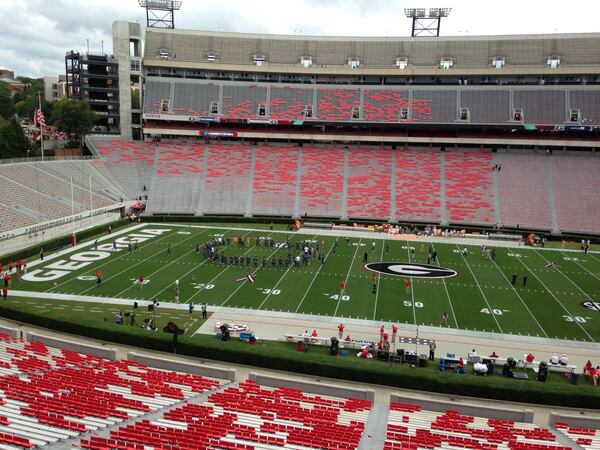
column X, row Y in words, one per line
column 317, row 362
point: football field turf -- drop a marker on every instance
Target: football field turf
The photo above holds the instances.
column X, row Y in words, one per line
column 558, row 302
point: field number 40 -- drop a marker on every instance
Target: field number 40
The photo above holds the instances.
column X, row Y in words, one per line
column 496, row 312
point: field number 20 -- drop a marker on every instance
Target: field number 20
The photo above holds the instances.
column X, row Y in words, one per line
column 575, row 319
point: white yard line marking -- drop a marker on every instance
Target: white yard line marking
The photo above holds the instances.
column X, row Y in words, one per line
column 412, row 288
column 109, row 261
column 556, row 298
column 221, row 272
column 490, row 309
column 378, row 279
column 567, row 277
column 447, row 292
column 279, row 281
column 347, row 275
column 313, row 280
column 244, row 282
column 156, row 271
column 583, row 267
column 195, row 268
column 520, row 298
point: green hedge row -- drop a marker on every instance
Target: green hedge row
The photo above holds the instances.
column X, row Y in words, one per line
column 317, row 362
column 63, row 241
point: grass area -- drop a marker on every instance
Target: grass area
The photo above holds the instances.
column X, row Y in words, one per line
column 556, row 302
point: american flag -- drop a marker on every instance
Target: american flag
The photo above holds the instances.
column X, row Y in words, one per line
column 38, row 116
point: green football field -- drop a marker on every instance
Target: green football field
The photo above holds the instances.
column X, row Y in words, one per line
column 557, row 302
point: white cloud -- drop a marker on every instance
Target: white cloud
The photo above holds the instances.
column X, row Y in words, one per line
column 36, row 34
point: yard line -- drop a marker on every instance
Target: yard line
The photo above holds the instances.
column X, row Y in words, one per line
column 110, row 260
column 447, row 292
column 378, row 279
column 313, row 280
column 566, row 276
column 592, row 255
column 244, row 282
column 555, row 298
column 583, row 267
column 520, row 298
column 222, row 271
column 279, row 281
column 158, row 270
column 480, row 290
column 412, row 288
column 194, row 268
column 347, row 275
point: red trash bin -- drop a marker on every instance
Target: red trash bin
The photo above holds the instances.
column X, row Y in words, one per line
column 300, row 346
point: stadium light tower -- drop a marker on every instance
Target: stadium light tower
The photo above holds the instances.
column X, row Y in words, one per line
column 426, row 24
column 160, row 13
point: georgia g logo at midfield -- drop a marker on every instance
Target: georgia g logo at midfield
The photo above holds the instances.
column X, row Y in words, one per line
column 414, row 270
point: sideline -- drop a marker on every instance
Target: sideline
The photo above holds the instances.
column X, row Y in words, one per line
column 318, row 320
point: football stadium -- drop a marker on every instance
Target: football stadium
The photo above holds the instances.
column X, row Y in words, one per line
column 309, row 242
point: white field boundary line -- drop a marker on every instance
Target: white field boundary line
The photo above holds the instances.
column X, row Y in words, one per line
column 447, row 292
column 190, row 271
column 68, row 250
column 313, row 280
column 520, row 298
column 243, row 282
column 584, row 268
column 377, row 287
column 370, row 324
column 109, row 261
column 490, row 309
column 194, row 236
column 346, row 279
column 556, row 298
column 370, row 234
column 279, row 281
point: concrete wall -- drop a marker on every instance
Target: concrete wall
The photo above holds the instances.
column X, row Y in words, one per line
column 517, row 415
column 313, row 388
column 106, row 353
column 574, row 421
column 169, row 364
column 12, row 332
column 19, row 242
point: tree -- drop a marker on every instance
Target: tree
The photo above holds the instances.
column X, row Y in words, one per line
column 6, row 101
column 74, row 117
column 26, row 108
column 135, row 98
column 13, row 142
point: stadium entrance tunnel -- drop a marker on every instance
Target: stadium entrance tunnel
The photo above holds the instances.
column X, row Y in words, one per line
column 407, row 269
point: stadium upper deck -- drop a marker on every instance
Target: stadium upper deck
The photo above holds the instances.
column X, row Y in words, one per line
column 573, row 54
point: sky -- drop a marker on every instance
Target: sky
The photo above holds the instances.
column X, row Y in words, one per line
column 36, row 34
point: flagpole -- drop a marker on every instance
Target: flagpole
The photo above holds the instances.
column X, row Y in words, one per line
column 41, row 127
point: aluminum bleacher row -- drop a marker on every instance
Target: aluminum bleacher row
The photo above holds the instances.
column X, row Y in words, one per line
column 49, row 394
column 38, row 192
column 540, row 105
column 247, row 417
column 412, row 427
column 586, row 438
column 366, row 182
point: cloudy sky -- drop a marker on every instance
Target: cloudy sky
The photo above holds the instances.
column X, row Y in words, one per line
column 35, row 34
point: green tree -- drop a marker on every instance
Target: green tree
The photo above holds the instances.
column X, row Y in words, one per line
column 26, row 108
column 135, row 98
column 6, row 101
column 13, row 142
column 73, row 117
